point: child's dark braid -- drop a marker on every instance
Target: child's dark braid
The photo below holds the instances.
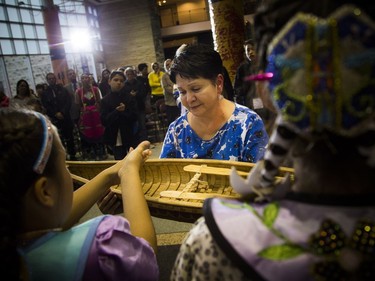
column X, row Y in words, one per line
column 20, row 141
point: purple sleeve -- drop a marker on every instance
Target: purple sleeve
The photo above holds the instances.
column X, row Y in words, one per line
column 116, row 254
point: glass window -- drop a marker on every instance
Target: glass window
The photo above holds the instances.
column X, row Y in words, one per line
column 101, row 47
column 6, row 47
column 89, row 9
column 96, row 24
column 65, row 33
column 16, row 30
column 29, row 31
column 35, row 2
column 79, row 8
column 82, row 21
column 43, row 45
column 4, row 30
column 26, row 16
column 41, row 32
column 72, row 19
column 62, row 19
column 2, row 14
column 38, row 16
column 32, row 46
column 12, row 14
column 10, row 2
column 20, row 47
column 68, row 46
column 94, row 12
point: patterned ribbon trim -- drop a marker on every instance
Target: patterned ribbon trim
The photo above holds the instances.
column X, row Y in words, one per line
column 46, row 147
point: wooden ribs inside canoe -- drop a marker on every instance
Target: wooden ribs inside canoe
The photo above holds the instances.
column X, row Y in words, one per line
column 175, row 188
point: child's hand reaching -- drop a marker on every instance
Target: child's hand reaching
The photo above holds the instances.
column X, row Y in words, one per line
column 110, row 203
column 136, row 157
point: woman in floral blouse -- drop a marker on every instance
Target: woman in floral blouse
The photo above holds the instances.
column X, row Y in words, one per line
column 213, row 127
column 319, row 224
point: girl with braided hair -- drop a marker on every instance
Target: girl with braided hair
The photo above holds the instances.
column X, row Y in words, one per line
column 39, row 207
column 318, row 66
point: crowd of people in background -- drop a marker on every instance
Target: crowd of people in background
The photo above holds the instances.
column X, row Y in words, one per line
column 75, row 108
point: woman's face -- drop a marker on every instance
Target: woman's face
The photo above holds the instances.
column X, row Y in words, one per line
column 85, row 79
column 200, row 95
column 116, row 83
column 167, row 65
column 22, row 87
column 130, row 74
column 105, row 75
column 155, row 67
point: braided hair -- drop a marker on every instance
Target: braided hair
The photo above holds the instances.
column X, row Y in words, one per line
column 21, row 137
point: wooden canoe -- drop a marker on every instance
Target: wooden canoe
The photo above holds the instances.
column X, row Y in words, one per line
column 175, row 188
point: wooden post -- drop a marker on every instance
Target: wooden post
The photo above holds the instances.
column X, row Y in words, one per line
column 228, row 31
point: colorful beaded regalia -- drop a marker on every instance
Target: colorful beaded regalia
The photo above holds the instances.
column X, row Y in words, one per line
column 323, row 80
column 324, row 71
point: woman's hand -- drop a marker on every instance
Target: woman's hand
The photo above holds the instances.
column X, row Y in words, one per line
column 110, row 203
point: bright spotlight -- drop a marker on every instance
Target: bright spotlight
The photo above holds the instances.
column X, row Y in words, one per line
column 80, row 40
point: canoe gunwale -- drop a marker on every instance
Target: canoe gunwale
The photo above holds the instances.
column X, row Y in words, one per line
column 171, row 177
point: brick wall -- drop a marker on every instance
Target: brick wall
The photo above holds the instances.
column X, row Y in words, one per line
column 130, row 33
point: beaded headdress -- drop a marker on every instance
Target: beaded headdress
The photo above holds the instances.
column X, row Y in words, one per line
column 323, row 79
column 324, row 71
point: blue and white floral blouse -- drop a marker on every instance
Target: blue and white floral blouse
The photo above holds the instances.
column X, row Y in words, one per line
column 242, row 138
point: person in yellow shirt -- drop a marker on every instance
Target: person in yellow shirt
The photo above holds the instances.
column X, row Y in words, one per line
column 154, row 79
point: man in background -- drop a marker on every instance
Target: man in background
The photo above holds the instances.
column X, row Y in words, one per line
column 57, row 102
column 245, row 90
column 71, row 87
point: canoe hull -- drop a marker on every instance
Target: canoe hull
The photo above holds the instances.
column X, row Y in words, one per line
column 175, row 188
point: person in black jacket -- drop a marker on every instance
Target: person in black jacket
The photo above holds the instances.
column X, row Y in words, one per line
column 138, row 91
column 57, row 102
column 118, row 112
column 245, row 91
